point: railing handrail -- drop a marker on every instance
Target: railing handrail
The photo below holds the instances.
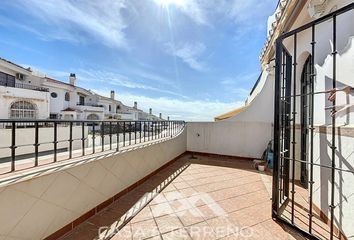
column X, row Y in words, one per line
column 24, row 86
column 89, row 104
column 79, row 121
column 124, row 132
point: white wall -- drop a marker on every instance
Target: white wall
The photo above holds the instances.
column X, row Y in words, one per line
column 37, row 206
column 261, row 106
column 243, row 139
column 25, row 136
column 8, row 95
column 344, row 190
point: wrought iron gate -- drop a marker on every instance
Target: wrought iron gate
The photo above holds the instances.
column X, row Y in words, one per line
column 286, row 152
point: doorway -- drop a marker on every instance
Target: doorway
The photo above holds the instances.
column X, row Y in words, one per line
column 305, row 114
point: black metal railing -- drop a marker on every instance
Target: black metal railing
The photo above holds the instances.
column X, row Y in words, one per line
column 292, row 147
column 23, row 85
column 48, row 141
column 88, row 104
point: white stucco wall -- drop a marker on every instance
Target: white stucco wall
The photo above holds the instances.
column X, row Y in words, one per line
column 35, row 207
column 8, row 95
column 344, row 181
column 25, row 136
column 261, row 106
column 243, row 139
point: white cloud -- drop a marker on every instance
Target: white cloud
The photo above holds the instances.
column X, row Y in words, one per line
column 189, row 110
column 67, row 20
column 189, row 54
column 191, row 8
column 113, row 78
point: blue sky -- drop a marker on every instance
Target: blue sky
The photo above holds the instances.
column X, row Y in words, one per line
column 189, row 59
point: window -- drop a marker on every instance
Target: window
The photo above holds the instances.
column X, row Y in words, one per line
column 68, row 117
column 92, row 117
column 23, row 109
column 109, row 108
column 54, row 95
column 81, row 100
column 53, row 116
column 67, row 96
column 7, row 80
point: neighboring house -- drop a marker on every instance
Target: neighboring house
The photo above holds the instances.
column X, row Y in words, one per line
column 25, row 94
column 312, row 56
column 22, row 95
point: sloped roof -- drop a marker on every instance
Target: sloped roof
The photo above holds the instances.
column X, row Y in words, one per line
column 230, row 114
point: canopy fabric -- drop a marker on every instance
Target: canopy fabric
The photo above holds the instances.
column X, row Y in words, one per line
column 230, row 114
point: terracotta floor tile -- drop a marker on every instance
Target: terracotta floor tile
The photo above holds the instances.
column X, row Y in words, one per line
column 168, row 223
column 180, row 205
column 211, row 211
column 181, row 185
column 161, row 209
column 144, row 214
column 190, row 217
column 180, row 234
column 124, row 234
column 144, row 229
column 222, row 226
column 212, row 198
column 201, row 231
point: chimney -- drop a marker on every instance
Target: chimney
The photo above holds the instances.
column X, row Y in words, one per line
column 136, row 105
column 112, row 94
column 160, row 115
column 168, row 118
column 150, row 111
column 72, row 79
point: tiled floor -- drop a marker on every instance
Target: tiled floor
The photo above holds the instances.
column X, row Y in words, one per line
column 301, row 214
column 204, row 198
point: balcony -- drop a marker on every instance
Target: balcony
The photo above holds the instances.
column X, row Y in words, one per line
column 24, row 86
column 89, row 107
column 89, row 104
column 153, row 184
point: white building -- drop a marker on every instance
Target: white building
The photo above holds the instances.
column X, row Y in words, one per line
column 28, row 95
column 22, row 95
column 315, row 53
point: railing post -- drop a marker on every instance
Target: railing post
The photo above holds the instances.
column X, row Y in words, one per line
column 36, row 139
column 130, row 133
column 276, row 134
column 135, row 131
column 93, row 137
column 333, row 142
column 55, row 141
column 110, row 135
column 102, row 136
column 140, row 132
column 71, row 140
column 83, row 138
column 144, row 130
column 118, row 136
column 155, row 130
column 148, row 128
column 13, row 145
column 124, row 134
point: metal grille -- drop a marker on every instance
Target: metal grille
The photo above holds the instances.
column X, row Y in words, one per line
column 294, row 115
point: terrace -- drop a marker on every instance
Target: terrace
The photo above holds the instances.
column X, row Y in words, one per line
column 176, row 180
column 153, row 184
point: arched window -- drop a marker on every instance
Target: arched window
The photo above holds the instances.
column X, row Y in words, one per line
column 93, row 117
column 67, row 96
column 23, row 109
